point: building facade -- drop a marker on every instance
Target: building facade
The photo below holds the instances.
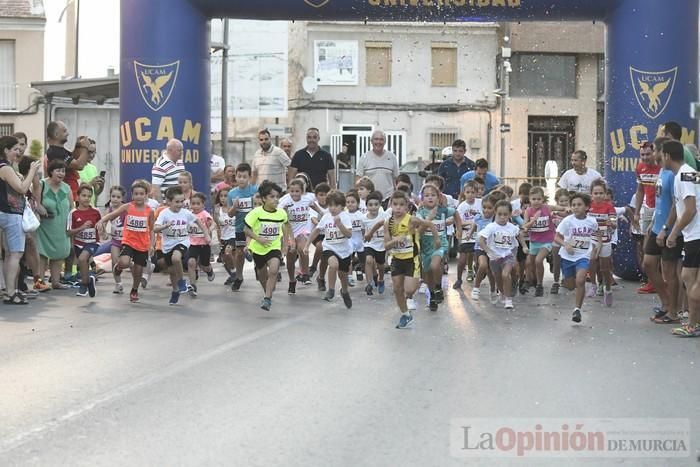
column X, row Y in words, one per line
column 21, row 62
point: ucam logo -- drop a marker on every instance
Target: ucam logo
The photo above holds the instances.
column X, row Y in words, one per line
column 316, row 3
column 653, row 89
column 156, row 82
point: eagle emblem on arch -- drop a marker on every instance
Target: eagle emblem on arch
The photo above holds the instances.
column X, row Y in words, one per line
column 156, row 82
column 653, row 89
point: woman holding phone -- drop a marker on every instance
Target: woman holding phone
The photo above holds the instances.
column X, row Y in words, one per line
column 88, row 175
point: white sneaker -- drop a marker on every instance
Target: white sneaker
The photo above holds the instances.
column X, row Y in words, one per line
column 508, row 304
column 410, row 304
column 494, row 297
column 118, row 288
column 423, row 288
column 475, row 294
column 351, row 281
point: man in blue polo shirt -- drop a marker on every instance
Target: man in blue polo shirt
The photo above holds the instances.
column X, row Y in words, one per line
column 482, row 171
column 452, row 168
column 655, row 248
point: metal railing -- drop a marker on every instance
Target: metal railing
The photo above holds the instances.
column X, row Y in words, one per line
column 9, row 93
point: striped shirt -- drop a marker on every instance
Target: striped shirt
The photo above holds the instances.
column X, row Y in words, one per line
column 165, row 172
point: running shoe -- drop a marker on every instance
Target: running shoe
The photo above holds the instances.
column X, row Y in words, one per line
column 493, row 297
column 230, row 279
column 330, row 293
column 470, row 275
column 508, row 304
column 30, row 294
column 404, row 321
column 439, row 295
column 687, row 331
column 433, row 305
column 555, row 289
column 182, row 286
column 351, row 281
column 411, row 304
column 524, row 287
column 423, row 288
column 346, row 299
column 647, row 288
column 458, row 284
column 266, row 304
column 608, row 298
column 192, row 290
column 368, row 289
column 134, row 296
column 236, row 286
column 248, row 256
column 91, row 286
column 380, row 287
column 321, row 285
column 576, row 317
column 147, row 277
column 360, row 276
column 279, row 277
column 118, row 288
column 41, row 286
column 312, row 271
column 306, row 279
column 174, row 297
column 211, row 275
column 600, row 291
column 116, row 270
column 292, row 289
column 475, row 294
column 539, row 291
column 590, row 290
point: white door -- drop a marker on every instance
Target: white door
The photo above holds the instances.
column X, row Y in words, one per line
column 364, row 143
column 396, row 143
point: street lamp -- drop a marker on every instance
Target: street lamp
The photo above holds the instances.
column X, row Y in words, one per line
column 77, row 30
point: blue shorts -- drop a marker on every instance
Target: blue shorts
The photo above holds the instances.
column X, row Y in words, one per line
column 426, row 256
column 89, row 247
column 11, row 225
column 570, row 268
column 535, row 247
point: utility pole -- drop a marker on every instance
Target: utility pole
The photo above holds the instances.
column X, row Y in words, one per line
column 504, row 92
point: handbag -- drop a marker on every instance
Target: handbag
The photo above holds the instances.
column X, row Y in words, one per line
column 29, row 220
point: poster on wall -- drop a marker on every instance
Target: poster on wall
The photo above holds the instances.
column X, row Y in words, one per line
column 336, row 63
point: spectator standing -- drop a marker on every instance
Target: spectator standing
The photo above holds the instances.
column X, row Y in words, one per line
column 379, row 165
column 314, row 161
column 286, row 145
column 270, row 162
column 674, row 131
column 166, row 170
column 481, row 170
column 343, row 157
column 579, row 178
column 452, row 168
column 57, row 136
column 89, row 175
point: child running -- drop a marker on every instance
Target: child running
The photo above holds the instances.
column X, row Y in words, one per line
column 265, row 226
column 562, row 199
column 82, row 226
column 476, row 225
column 227, row 233
column 364, row 187
column 138, row 237
column 500, row 241
column 432, row 252
column 401, row 232
column 298, row 203
column 116, row 200
column 375, row 253
column 601, row 263
column 352, row 203
column 240, row 203
column 321, row 190
column 574, row 236
column 173, row 223
column 468, row 209
column 336, row 228
column 539, row 225
column 199, row 250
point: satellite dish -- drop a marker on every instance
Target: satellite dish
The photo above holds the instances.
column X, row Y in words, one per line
column 309, row 85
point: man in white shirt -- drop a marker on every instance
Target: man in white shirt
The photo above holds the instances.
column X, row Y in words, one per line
column 381, row 166
column 270, row 162
column 683, row 216
column 579, row 178
column 166, row 170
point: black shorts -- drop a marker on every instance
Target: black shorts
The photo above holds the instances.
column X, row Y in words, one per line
column 240, row 239
column 201, row 254
column 262, row 260
column 651, row 248
column 379, row 256
column 89, row 247
column 344, row 264
column 139, row 258
column 169, row 255
column 521, row 256
column 406, row 267
column 228, row 242
column 466, row 247
column 480, row 253
column 691, row 259
column 319, row 239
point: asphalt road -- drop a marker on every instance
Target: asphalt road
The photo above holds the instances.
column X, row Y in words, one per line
column 218, row 381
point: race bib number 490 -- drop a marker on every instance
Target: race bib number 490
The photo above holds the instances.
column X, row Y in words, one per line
column 269, row 229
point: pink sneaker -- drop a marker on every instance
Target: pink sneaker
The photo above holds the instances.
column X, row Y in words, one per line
column 590, row 290
column 608, row 298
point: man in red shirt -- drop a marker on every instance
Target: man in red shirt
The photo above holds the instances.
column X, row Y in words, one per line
column 647, row 174
column 57, row 136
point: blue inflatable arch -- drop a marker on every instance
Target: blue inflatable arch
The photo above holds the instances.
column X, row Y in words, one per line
column 650, row 40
